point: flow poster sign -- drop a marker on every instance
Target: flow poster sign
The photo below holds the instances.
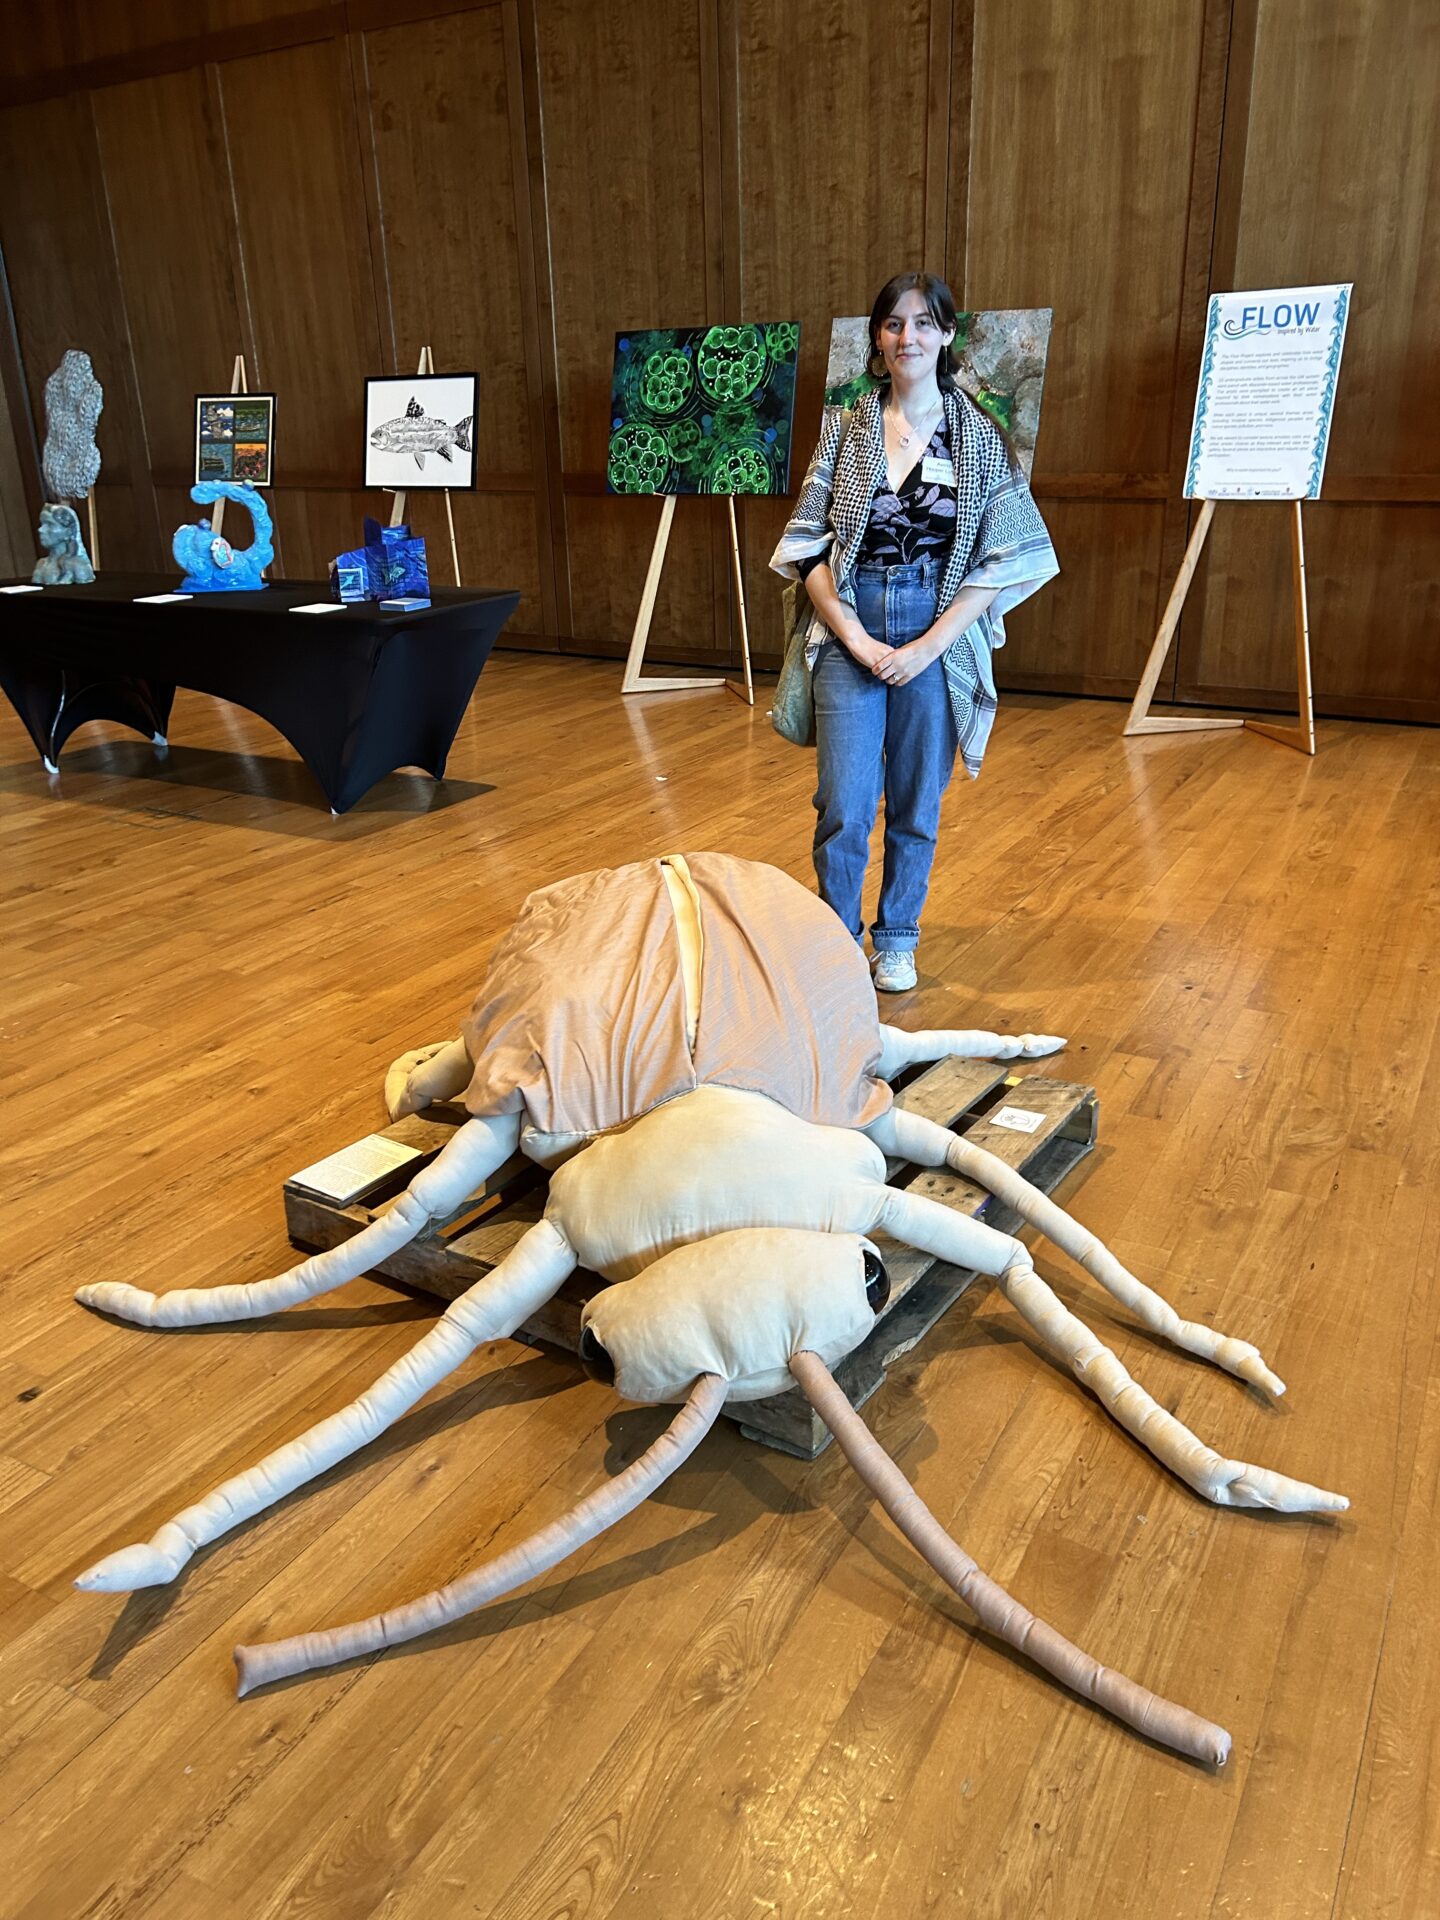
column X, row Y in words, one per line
column 1266, row 393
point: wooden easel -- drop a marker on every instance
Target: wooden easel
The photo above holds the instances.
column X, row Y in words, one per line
column 634, row 681
column 397, row 505
column 1301, row 737
column 239, row 383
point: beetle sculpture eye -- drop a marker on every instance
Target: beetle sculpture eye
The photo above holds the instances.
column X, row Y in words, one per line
column 595, row 1360
column 877, row 1280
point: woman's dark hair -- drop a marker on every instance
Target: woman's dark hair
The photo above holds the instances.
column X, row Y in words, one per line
column 940, row 304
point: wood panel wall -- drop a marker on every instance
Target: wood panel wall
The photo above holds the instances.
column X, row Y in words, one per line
column 330, row 188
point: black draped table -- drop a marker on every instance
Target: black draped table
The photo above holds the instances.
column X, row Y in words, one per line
column 357, row 692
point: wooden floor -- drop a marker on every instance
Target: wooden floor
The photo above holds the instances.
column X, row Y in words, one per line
column 750, row 1698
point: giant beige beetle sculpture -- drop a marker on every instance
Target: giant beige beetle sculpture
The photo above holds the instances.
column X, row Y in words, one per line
column 692, row 1046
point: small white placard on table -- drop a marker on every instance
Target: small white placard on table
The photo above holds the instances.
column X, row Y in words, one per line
column 344, row 1176
column 321, row 606
column 1266, row 393
column 160, row 599
column 1017, row 1119
column 22, row 589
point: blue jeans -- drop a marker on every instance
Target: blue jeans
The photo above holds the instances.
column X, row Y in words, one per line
column 872, row 739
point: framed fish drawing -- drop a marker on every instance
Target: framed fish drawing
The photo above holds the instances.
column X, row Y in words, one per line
column 420, row 431
column 235, row 437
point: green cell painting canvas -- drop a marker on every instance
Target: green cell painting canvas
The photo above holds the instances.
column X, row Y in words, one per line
column 703, row 409
column 1000, row 362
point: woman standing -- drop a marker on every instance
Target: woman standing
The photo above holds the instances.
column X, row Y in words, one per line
column 914, row 534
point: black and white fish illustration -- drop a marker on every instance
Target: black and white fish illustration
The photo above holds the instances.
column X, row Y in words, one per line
column 418, row 433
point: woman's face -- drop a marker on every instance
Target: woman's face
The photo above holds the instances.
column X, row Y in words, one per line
column 910, row 340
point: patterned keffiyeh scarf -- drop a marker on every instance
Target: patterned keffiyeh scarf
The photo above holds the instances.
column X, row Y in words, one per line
column 1000, row 541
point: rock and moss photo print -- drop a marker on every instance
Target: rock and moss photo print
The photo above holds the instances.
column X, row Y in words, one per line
column 703, row 409
column 1000, row 362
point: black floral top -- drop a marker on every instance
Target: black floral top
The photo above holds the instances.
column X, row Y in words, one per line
column 918, row 521
column 915, row 523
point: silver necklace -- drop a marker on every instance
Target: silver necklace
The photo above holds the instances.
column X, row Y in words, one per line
column 906, row 438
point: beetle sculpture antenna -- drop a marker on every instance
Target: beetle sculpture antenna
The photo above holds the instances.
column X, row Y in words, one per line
column 1163, row 1720
column 274, row 1660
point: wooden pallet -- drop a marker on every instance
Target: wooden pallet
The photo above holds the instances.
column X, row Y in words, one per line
column 965, row 1094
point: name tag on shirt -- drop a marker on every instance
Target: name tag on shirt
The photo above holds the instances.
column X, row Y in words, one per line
column 937, row 468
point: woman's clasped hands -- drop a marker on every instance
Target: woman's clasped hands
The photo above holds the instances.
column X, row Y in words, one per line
column 896, row 666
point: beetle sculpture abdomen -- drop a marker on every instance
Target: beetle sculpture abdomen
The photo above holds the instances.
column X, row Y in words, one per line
column 590, row 1016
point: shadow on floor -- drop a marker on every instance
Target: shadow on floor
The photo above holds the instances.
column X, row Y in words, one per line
column 182, row 782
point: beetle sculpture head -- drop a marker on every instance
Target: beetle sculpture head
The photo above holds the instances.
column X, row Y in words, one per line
column 743, row 1237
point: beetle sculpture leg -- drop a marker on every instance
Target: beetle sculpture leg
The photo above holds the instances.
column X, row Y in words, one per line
column 900, row 1049
column 969, row 1243
column 528, row 1275
column 1160, row 1719
column 417, row 1079
column 461, row 1168
column 909, row 1136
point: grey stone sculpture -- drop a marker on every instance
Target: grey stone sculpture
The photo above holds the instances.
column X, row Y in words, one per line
column 65, row 562
column 73, row 399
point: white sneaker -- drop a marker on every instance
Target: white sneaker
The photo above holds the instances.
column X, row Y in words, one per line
column 894, row 972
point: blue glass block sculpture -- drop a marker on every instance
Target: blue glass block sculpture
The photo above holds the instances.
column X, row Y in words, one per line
column 391, row 565
column 211, row 564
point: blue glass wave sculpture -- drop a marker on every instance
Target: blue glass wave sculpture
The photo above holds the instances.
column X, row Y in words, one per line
column 211, row 564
